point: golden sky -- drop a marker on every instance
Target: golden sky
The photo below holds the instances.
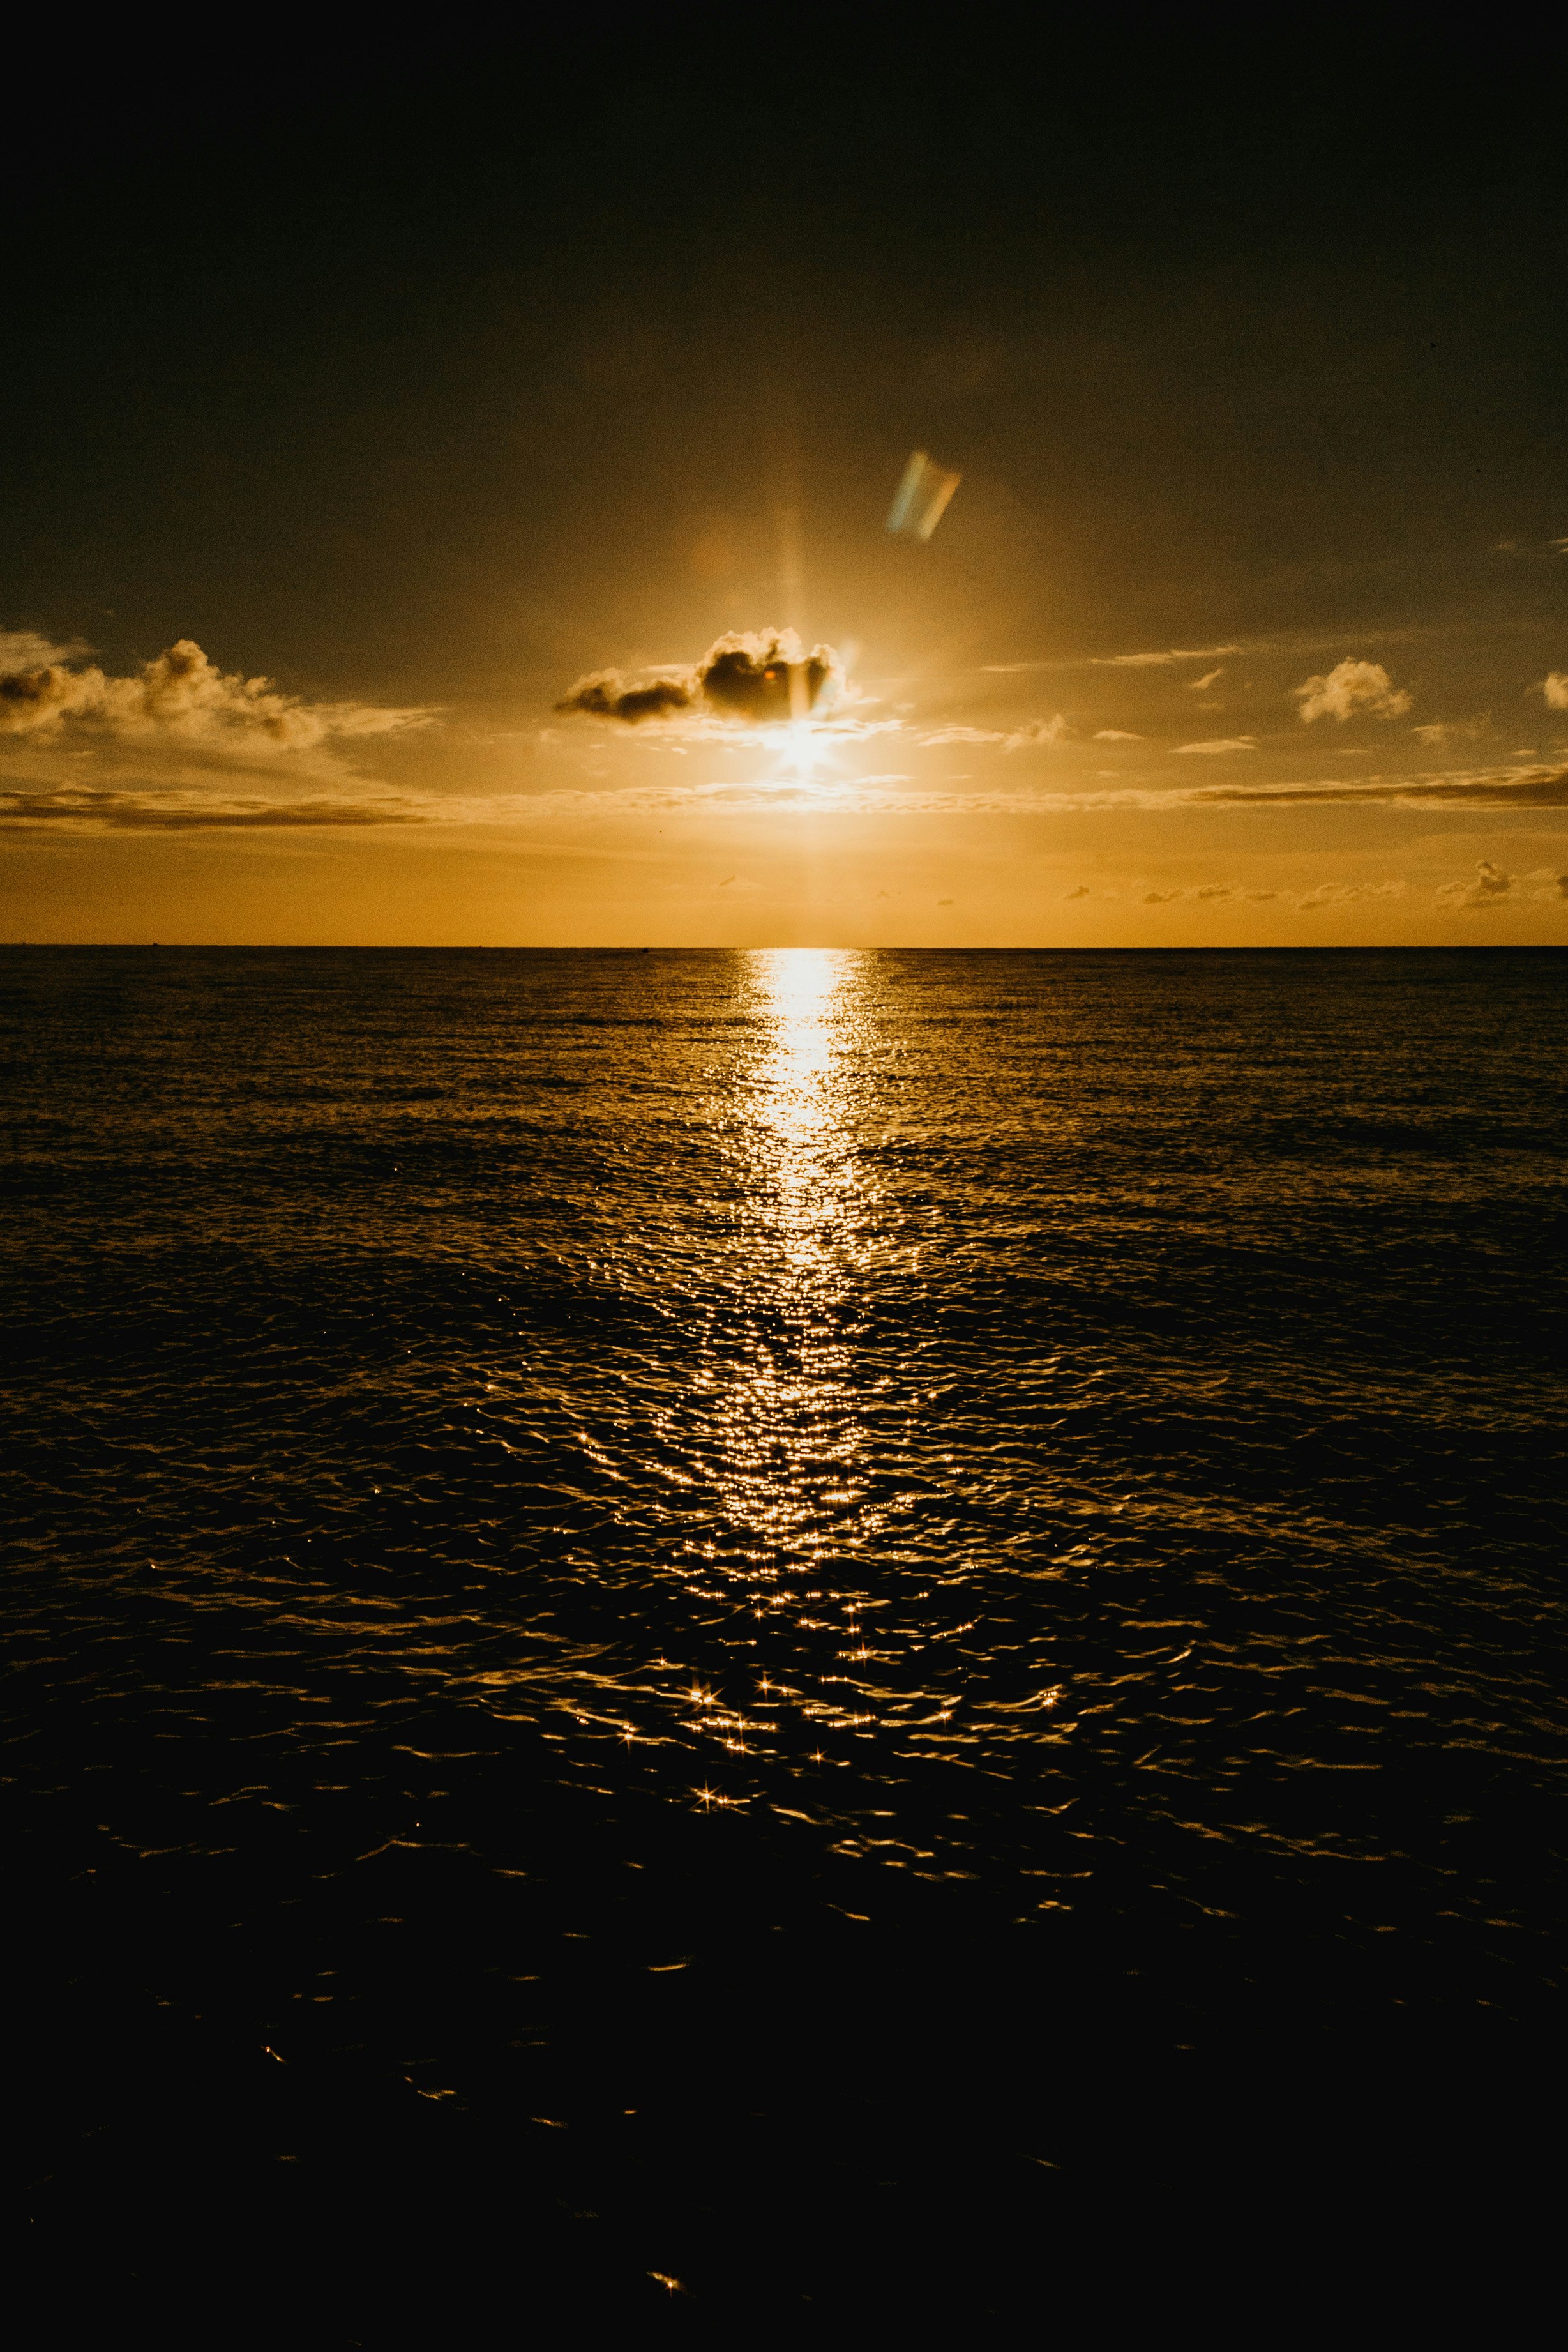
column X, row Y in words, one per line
column 1245, row 622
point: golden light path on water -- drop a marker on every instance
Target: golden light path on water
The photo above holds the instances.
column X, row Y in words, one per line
column 784, row 1435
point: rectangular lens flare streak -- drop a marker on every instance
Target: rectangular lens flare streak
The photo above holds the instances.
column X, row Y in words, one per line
column 922, row 497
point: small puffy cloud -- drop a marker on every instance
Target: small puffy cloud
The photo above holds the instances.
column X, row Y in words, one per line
column 1116, row 735
column 1038, row 730
column 1352, row 690
column 1491, row 886
column 1554, row 687
column 1222, row 743
column 752, row 676
column 1197, row 685
column 181, row 696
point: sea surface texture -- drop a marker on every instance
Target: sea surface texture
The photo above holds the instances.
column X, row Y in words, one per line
column 716, row 1624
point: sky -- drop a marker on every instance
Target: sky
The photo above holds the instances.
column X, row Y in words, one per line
column 412, row 467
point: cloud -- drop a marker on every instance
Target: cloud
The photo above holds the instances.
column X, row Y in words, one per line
column 1113, row 661
column 181, row 696
column 1345, row 894
column 1197, row 685
column 1554, row 687
column 187, row 813
column 1158, row 661
column 1546, row 788
column 25, row 649
column 1352, row 687
column 754, row 676
column 1327, row 894
column 1020, row 738
column 891, row 795
column 607, row 697
column 1448, row 730
column 1116, row 735
column 1207, row 891
column 1491, row 886
column 1222, row 743
column 1038, row 730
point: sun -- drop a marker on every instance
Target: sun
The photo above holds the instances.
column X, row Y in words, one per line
column 804, row 751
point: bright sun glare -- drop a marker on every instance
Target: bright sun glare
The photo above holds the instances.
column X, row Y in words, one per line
column 804, row 751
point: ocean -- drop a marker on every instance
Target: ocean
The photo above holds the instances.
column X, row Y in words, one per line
column 756, row 1637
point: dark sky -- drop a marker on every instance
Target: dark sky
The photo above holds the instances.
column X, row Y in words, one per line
column 437, row 366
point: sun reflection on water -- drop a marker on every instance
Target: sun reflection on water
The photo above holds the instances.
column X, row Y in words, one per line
column 784, row 1430
column 787, row 1661
column 801, row 995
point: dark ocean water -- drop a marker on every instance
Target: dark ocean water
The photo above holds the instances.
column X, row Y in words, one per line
column 807, row 1623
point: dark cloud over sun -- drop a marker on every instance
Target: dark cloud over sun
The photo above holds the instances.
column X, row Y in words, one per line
column 753, row 675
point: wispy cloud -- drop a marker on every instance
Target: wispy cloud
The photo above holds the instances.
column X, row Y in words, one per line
column 1035, row 731
column 117, row 811
column 1538, row 788
column 1160, row 660
column 1116, row 661
column 1452, row 731
column 876, row 795
column 1217, row 893
column 1554, row 687
column 1327, row 894
column 1116, row 735
column 1197, row 685
column 1346, row 893
column 1222, row 743
column 1350, row 689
